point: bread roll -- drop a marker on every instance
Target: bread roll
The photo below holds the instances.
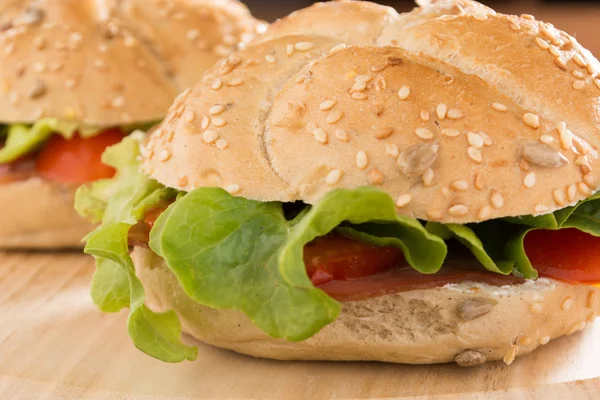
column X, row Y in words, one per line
column 460, row 113
column 106, row 63
column 469, row 323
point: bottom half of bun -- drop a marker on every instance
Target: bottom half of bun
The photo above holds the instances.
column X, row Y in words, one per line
column 39, row 214
column 468, row 323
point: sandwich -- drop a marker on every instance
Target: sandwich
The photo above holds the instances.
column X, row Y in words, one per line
column 77, row 76
column 359, row 184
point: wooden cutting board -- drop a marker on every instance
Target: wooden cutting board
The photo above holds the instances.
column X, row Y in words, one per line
column 54, row 344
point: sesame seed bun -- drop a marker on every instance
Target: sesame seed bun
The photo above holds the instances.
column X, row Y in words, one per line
column 108, row 63
column 468, row 323
column 28, row 223
column 104, row 64
column 459, row 113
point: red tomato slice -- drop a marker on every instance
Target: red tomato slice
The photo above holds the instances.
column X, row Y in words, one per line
column 567, row 255
column 334, row 257
column 77, row 160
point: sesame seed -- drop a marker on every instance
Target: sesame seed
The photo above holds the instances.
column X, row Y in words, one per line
column 404, row 92
column 589, row 180
column 579, row 60
column 205, row 122
column 455, row 114
column 270, row 59
column 193, row 34
column 289, row 49
column 510, row 357
column 310, row 127
column 38, row 89
column 497, row 200
column 379, row 67
column 584, row 189
column 480, row 17
column 320, row 136
column 334, row 177
column 529, row 180
column 475, row 140
column 209, row 137
column 384, row 133
column 450, row 132
column 359, row 96
column 303, row 46
column 447, row 18
column 216, row 109
column 591, row 69
column 435, row 215
column 189, row 116
column 441, row 111
column 581, row 160
column 363, row 78
column 217, row 84
column 547, row 139
column 424, row 133
column 540, row 208
column 235, row 82
column 485, row 212
column 327, row 105
column 219, row 122
column 499, row 107
column 233, row 189
column 337, row 48
column 403, row 200
column 559, row 197
column 554, row 51
column 375, row 177
column 597, row 83
column 578, row 74
column 545, row 340
column 536, row 308
column 475, row 154
column 334, row 116
column 578, row 85
column 460, row 185
column 565, row 135
column 560, row 63
column 118, row 102
column 514, row 25
column 341, row 135
column 448, row 79
column 164, row 155
column 566, row 304
column 428, row 177
column 479, row 182
column 531, row 120
column 361, row 160
column 392, row 150
column 424, row 115
column 572, row 192
column 459, row 210
column 221, row 144
column 359, row 86
column 542, row 43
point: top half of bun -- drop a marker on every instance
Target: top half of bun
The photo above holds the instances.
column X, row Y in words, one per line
column 460, row 113
column 108, row 62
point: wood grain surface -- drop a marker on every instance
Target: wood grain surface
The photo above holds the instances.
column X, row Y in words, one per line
column 54, row 344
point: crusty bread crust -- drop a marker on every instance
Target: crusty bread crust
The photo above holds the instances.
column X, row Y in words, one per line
column 39, row 214
column 464, row 126
column 468, row 323
column 106, row 63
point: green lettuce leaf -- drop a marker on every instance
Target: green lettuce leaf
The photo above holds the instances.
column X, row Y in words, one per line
column 230, row 252
column 121, row 202
column 22, row 139
column 469, row 238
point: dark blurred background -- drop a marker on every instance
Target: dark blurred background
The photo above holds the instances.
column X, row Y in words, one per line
column 579, row 18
